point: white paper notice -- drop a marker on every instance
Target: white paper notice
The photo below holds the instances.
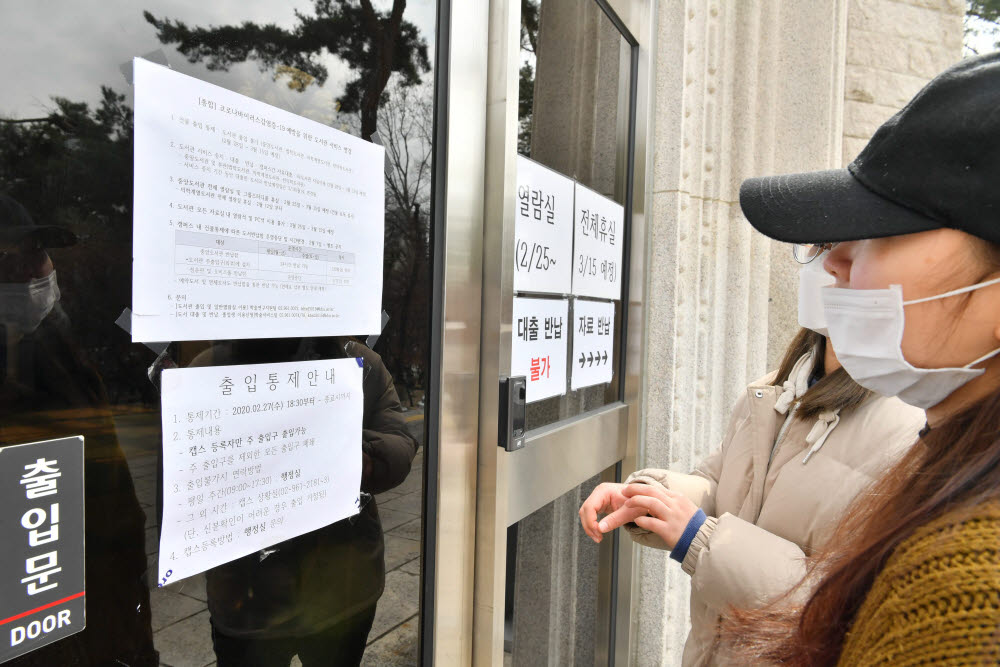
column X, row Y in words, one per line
column 255, row 455
column 538, row 345
column 249, row 221
column 593, row 343
column 543, row 230
column 597, row 245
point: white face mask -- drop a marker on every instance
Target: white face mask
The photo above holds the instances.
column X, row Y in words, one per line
column 866, row 330
column 812, row 280
column 23, row 306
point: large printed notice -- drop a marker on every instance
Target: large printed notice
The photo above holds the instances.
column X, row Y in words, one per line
column 254, row 455
column 249, row 221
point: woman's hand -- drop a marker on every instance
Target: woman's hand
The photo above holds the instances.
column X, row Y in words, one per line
column 661, row 511
column 604, row 499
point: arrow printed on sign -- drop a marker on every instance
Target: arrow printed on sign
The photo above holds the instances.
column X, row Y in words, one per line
column 583, row 359
column 590, row 360
column 605, row 359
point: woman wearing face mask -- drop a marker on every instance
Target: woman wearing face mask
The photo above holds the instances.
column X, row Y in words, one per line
column 912, row 228
column 801, row 443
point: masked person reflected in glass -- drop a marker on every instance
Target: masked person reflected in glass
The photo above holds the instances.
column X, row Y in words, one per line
column 313, row 596
column 48, row 389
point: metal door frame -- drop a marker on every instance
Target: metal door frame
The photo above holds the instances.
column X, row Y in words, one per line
column 452, row 404
column 476, row 489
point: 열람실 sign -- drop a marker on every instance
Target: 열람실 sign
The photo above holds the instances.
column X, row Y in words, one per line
column 543, row 230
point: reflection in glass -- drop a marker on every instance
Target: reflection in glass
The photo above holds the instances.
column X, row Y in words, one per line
column 49, row 388
column 66, row 155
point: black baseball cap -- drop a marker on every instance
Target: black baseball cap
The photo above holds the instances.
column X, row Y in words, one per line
column 936, row 163
column 17, row 227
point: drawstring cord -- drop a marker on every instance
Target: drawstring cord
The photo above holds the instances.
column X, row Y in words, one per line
column 794, row 388
column 797, row 383
column 821, row 430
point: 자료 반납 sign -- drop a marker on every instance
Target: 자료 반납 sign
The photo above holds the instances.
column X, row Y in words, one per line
column 543, row 230
column 598, row 228
column 539, row 336
column 593, row 343
column 42, row 594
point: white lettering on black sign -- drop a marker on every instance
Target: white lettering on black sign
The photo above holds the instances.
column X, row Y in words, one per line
column 42, row 595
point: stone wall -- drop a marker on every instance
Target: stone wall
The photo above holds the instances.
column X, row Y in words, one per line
column 893, row 48
column 747, row 88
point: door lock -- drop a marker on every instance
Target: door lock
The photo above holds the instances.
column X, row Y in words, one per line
column 513, row 391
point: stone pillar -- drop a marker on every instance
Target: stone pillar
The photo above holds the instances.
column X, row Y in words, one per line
column 742, row 89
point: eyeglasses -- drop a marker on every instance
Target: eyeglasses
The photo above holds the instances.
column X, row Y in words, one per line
column 807, row 252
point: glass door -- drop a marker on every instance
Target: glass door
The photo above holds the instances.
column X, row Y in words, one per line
column 245, row 132
column 563, row 272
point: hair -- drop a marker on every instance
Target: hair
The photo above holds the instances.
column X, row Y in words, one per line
column 954, row 466
column 833, row 391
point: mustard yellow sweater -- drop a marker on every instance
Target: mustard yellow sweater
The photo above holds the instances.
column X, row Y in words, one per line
column 937, row 602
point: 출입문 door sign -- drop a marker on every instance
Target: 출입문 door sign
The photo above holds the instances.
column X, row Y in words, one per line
column 593, row 343
column 249, row 221
column 42, row 592
column 254, row 455
column 543, row 230
column 597, row 245
column 539, row 335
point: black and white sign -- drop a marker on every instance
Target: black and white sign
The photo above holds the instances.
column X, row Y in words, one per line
column 42, row 594
column 254, row 455
column 593, row 343
column 540, row 331
column 249, row 221
column 543, row 230
column 597, row 245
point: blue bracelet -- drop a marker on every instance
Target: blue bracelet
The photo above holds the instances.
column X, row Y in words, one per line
column 684, row 543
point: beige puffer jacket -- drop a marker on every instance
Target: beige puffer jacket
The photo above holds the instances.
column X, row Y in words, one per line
column 773, row 492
